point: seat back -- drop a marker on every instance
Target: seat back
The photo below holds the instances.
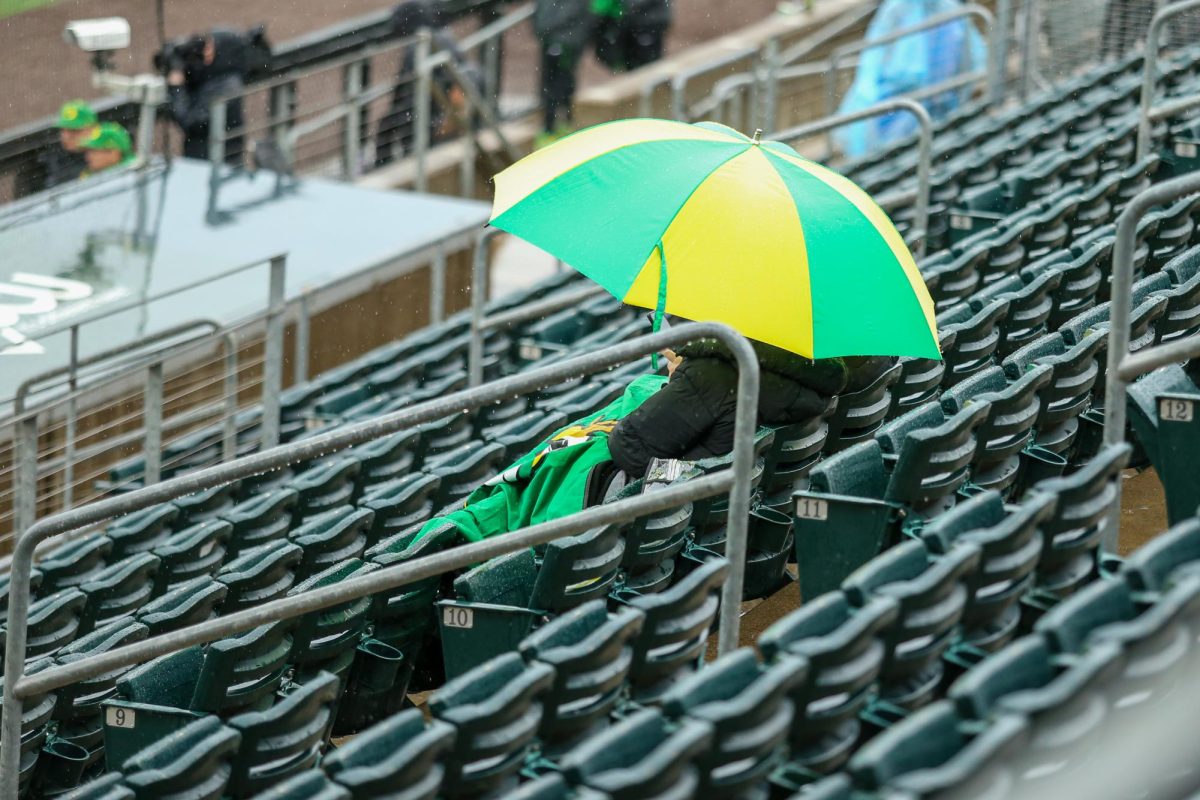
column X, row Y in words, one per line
column 74, row 562
column 643, row 757
column 285, row 739
column 400, row 757
column 36, row 713
column 1028, row 312
column 578, row 568
column 519, row 436
column 262, row 518
column 932, row 595
column 463, row 469
column 192, row 764
column 858, row 415
column 243, row 671
column 591, row 652
column 1069, row 392
column 675, row 633
column 748, row 707
column 388, row 458
column 326, row 486
column 400, row 504
column 204, row 505
column 141, row 530
column 793, row 453
column 932, row 463
column 1071, row 537
column 325, row 640
column 194, row 552
column 53, row 622
column 496, row 711
column 311, row 784
column 187, row 604
column 259, row 574
column 1158, row 563
column 976, row 342
column 118, row 590
column 331, row 537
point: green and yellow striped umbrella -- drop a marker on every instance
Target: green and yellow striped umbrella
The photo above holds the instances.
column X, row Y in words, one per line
column 711, row 225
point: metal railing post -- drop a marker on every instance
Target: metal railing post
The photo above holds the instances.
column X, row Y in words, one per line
column 924, row 155
column 18, row 686
column 1150, row 70
column 999, row 52
column 72, row 412
column 230, row 391
column 437, row 286
column 216, row 154
column 479, row 293
column 1029, row 47
column 770, row 95
column 152, row 419
column 25, row 458
column 273, row 353
column 422, row 108
column 352, row 131
column 303, row 331
column 1122, row 367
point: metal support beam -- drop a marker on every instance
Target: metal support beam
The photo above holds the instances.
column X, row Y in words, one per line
column 924, row 155
column 480, row 280
column 68, row 490
column 437, row 286
column 216, row 156
column 272, row 384
column 422, row 109
column 352, row 132
column 17, row 686
column 229, row 422
column 152, row 420
column 1122, row 367
column 303, row 331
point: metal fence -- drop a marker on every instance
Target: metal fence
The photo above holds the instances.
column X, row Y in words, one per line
column 735, row 481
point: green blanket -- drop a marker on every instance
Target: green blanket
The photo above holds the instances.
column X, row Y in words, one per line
column 551, row 480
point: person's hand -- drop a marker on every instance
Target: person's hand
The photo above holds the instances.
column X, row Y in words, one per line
column 175, row 77
column 673, row 361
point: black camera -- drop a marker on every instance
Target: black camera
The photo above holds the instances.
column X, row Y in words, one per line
column 185, row 55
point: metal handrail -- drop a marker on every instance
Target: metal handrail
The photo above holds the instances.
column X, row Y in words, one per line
column 985, row 17
column 18, row 687
column 1123, row 367
column 1149, row 113
column 924, row 156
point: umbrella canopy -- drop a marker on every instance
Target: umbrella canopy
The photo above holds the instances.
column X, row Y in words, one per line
column 711, row 225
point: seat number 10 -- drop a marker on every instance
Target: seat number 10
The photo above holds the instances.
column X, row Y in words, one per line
column 458, row 617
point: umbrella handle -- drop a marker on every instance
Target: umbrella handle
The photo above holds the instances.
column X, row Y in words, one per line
column 661, row 305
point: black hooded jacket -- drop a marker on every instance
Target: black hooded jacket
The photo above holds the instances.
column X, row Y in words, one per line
column 692, row 417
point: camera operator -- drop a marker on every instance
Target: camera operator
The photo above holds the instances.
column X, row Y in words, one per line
column 200, row 70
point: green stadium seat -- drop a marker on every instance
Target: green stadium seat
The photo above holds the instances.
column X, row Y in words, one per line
column 1154, row 635
column 1065, row 703
column 674, row 636
column 463, row 469
column 331, row 537
column 337, row 401
column 73, row 563
column 1147, row 310
column 1012, row 544
column 930, row 455
column 792, row 455
column 1069, row 392
column 324, row 641
column 1156, row 565
column 643, row 757
column 519, row 436
column 500, row 599
column 188, row 603
column 259, row 574
column 388, row 458
column 204, row 505
column 118, row 590
column 1008, row 427
column 1030, row 305
column 396, row 379
column 748, row 707
column 932, row 594
column 834, row 787
column 1071, row 537
column 1079, row 286
column 285, row 739
column 400, row 758
column 859, row 415
column 652, row 543
column 400, row 504
column 582, row 399
column 141, row 530
column 194, row 552
column 78, row 710
column 309, row 785
column 934, row 753
column 500, row 413
column 1162, row 414
column 591, row 653
column 710, row 515
column 920, row 379
column 495, row 710
column 193, row 763
column 326, row 486
column 977, row 338
column 53, row 622
column 226, row 677
column 265, row 517
column 1183, row 298
column 110, row 786
column 35, row 725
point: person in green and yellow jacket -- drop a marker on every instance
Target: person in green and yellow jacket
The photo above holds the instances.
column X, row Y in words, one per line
column 108, row 146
